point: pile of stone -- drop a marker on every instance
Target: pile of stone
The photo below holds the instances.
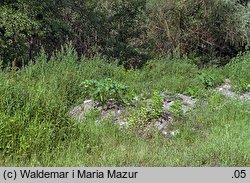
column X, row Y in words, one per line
column 226, row 90
column 117, row 112
column 119, row 115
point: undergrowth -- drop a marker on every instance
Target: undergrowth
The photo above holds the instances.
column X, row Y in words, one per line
column 36, row 129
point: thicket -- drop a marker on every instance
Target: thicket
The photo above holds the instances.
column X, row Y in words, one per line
column 131, row 31
column 215, row 28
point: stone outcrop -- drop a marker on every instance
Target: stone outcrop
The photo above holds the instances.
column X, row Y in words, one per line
column 117, row 112
column 226, row 90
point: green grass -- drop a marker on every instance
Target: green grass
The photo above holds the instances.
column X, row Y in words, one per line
column 36, row 130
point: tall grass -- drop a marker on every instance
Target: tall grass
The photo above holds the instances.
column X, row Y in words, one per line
column 36, row 129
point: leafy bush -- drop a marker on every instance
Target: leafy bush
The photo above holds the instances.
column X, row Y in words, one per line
column 15, row 28
column 132, row 31
column 104, row 90
column 120, row 29
column 156, row 105
column 194, row 92
column 207, row 80
column 215, row 28
column 111, row 28
column 244, row 85
column 148, row 111
column 176, row 109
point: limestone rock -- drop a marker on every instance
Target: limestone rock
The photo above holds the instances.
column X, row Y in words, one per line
column 80, row 111
column 225, row 90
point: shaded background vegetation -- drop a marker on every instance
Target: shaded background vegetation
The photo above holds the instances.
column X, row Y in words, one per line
column 131, row 31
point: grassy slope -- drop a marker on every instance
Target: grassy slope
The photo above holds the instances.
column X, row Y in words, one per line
column 36, row 130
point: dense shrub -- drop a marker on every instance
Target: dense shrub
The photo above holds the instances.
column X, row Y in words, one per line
column 114, row 29
column 203, row 28
column 105, row 90
column 110, row 28
column 131, row 31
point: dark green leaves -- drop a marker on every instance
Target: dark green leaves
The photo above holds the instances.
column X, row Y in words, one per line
column 104, row 90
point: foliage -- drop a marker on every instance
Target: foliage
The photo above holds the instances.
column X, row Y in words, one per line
column 37, row 131
column 156, row 105
column 148, row 111
column 244, row 85
column 122, row 28
column 26, row 26
column 238, row 71
column 176, row 109
column 207, row 80
column 207, row 29
column 105, row 90
column 15, row 28
column 194, row 92
column 130, row 31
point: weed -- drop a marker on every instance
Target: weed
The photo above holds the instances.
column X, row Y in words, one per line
column 36, row 130
column 156, row 105
column 148, row 111
column 176, row 109
column 104, row 90
column 194, row 92
column 244, row 85
column 206, row 80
